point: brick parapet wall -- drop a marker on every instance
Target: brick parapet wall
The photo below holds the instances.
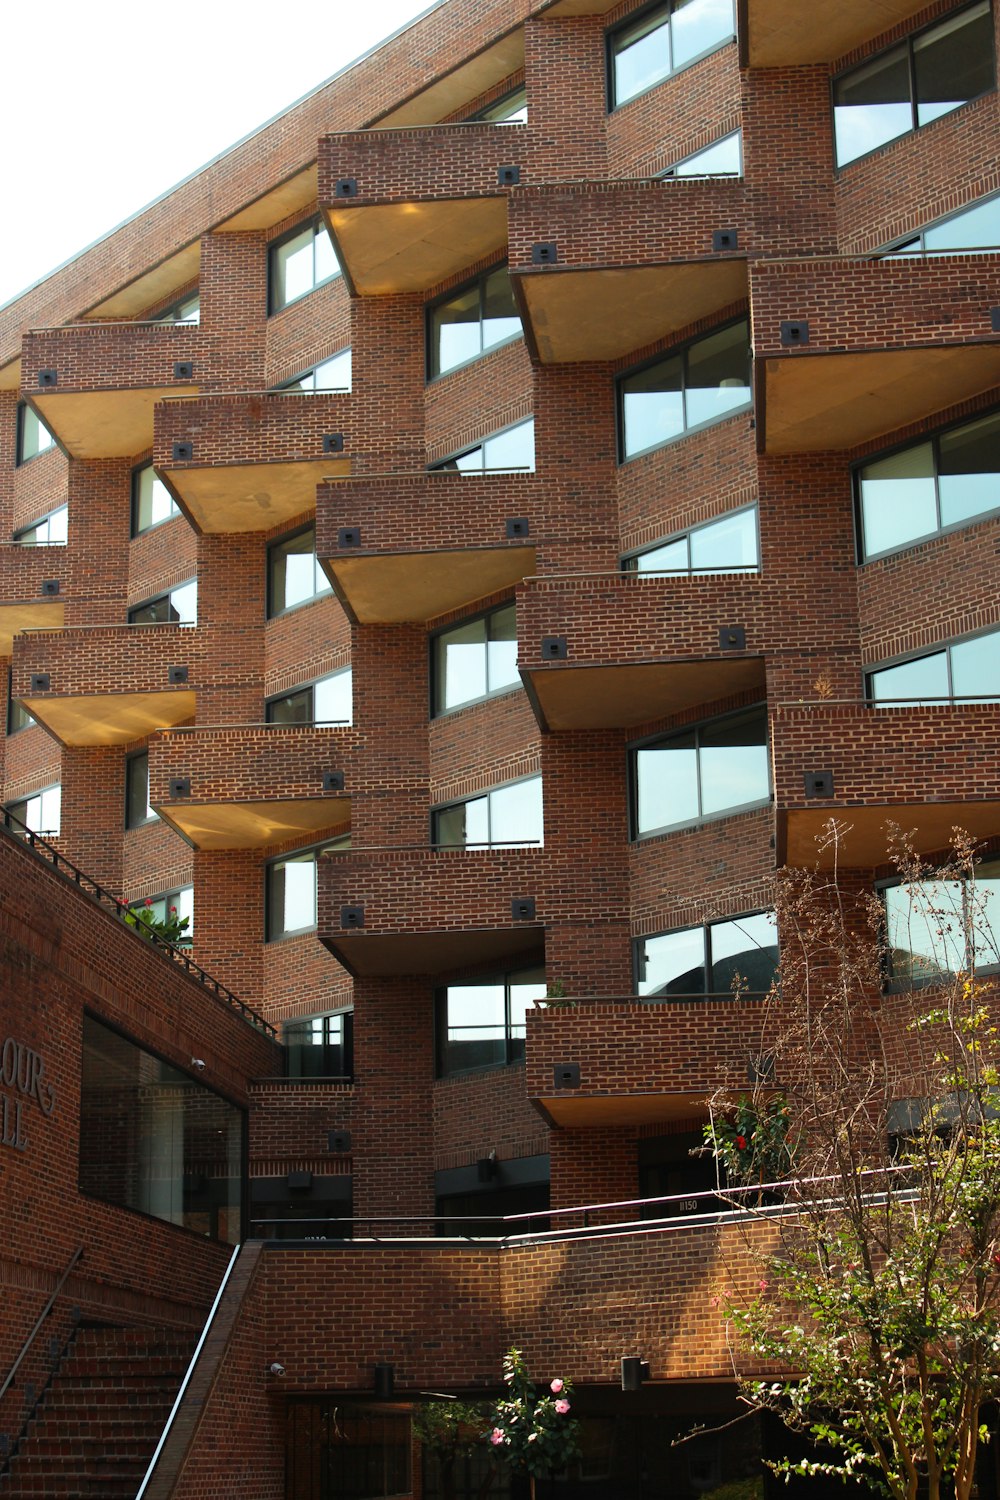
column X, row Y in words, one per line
column 114, row 356
column 428, row 512
column 424, row 163
column 23, row 570
column 259, row 428
column 255, row 762
column 111, row 659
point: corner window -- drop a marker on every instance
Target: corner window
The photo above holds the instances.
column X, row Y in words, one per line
column 971, row 229
column 481, row 1024
column 294, row 575
column 299, row 262
column 509, row 109
column 943, row 926
column 152, row 502
column 723, row 158
column 469, row 323
column 948, row 481
column 474, row 660
column 968, row 669
column 137, row 808
column 505, row 817
column 728, row 545
column 706, row 772
column 184, row 310
column 290, row 893
column 663, row 39
column 40, row 813
column 509, row 452
column 50, row 531
column 326, row 701
column 33, row 437
column 320, row 1046
column 18, row 716
column 926, row 76
column 334, row 374
column 697, row 962
column 704, row 382
column 179, row 606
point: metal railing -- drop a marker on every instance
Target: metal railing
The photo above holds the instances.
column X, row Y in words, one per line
column 126, row 915
column 53, row 1295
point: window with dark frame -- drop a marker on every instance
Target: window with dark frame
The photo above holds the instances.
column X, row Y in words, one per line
column 509, row 109
column 703, row 382
column 170, row 906
column 718, row 960
column 298, row 262
column 474, row 659
column 927, row 75
column 152, row 502
column 33, row 437
column 51, row 530
column 511, row 451
column 968, row 668
column 971, row 230
column 320, row 1046
column 328, row 700
column 39, row 813
column 18, row 717
column 727, row 544
column 480, row 1023
column 699, row 774
column 333, row 374
column 290, row 890
column 661, row 40
column 137, row 808
column 179, row 606
column 504, row 817
column 469, row 322
column 940, row 927
column 723, row 158
column 294, row 575
column 186, row 309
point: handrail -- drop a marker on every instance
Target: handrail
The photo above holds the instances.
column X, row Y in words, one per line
column 74, row 1258
column 884, row 702
column 187, row 1374
column 650, row 574
column 327, row 390
column 121, row 909
column 517, row 845
column 260, row 724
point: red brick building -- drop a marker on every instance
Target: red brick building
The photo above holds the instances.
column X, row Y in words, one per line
column 455, row 548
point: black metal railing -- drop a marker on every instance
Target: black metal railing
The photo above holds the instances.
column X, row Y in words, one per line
column 125, row 914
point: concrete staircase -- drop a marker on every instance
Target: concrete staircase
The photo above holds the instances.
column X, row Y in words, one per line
column 96, row 1427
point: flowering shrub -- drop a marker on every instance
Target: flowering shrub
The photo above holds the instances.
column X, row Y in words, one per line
column 531, row 1433
column 171, row 928
column 753, row 1145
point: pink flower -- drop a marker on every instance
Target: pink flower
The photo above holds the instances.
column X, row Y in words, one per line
column 713, row 1301
column 148, row 901
column 562, row 1407
column 496, row 1436
column 763, row 1286
column 556, row 1387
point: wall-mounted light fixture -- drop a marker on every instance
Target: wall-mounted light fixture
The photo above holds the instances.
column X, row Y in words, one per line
column 634, row 1371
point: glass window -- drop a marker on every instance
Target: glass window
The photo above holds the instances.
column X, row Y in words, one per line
column 179, row 606
column 33, row 437
column 290, row 895
column 699, row 961
column 475, row 659
column 154, row 1140
column 18, row 716
column 294, row 575
column 723, row 158
column 320, row 1046
column 40, row 813
column 506, row 816
column 137, row 808
column 703, row 383
column 971, row 229
column 172, row 907
column 185, row 310
column 300, row 261
column 704, row 772
column 470, row 322
column 943, row 926
column 924, row 77
column 326, row 701
column 509, row 452
column 334, row 374
column 967, row 669
column 949, row 480
column 50, row 531
column 728, row 545
column 152, row 502
column 346, row 1451
column 511, row 109
column 662, row 40
column 481, row 1024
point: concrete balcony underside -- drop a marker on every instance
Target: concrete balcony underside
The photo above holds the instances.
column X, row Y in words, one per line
column 384, row 954
column 391, row 248
column 823, row 402
column 103, row 424
column 256, row 825
column 566, row 696
column 17, row 615
column 411, row 587
column 108, row 718
column 579, row 1110
column 864, row 836
column 776, row 35
column 248, row 497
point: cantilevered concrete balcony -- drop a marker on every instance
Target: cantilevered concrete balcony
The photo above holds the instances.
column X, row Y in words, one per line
column 107, row 684
column 614, row 650
column 929, row 768
column 248, row 786
column 602, row 1063
column 409, row 208
column 774, row 34
column 250, row 461
column 847, row 350
column 425, row 911
column 32, row 587
column 409, row 547
column 601, row 268
column 94, row 384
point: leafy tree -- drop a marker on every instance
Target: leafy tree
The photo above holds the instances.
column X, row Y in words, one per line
column 452, row 1431
column 533, row 1434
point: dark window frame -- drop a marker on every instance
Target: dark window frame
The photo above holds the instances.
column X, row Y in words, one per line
column 681, row 351
column 296, row 855
column 514, row 1047
column 443, row 807
column 130, row 761
column 483, row 116
column 13, row 803
column 628, row 561
column 307, row 687
column 19, row 455
column 892, row 249
column 441, row 464
column 671, row 174
column 317, row 222
column 706, row 995
column 12, row 706
column 942, row 649
column 907, row 42
column 22, row 531
column 933, row 437
column 166, row 313
column 134, row 482
column 901, row 984
column 667, row 6
column 156, row 599
column 479, row 281
column 435, row 635
column 346, row 1047
column 648, row 741
column 293, row 380
column 279, row 541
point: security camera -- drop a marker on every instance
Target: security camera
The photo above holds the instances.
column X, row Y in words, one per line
column 197, row 1062
column 276, row 1369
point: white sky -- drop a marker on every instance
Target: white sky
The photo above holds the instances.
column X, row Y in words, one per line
column 105, row 104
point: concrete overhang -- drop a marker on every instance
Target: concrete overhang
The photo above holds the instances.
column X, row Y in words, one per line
column 255, row 825
column 297, row 194
column 447, row 94
column 774, row 34
column 391, row 248
column 109, row 718
column 249, row 497
column 863, row 841
column 411, row 587
column 371, row 954
column 156, row 287
column 576, row 1110
column 30, row 614
column 103, row 424
column 623, row 695
column 10, row 375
